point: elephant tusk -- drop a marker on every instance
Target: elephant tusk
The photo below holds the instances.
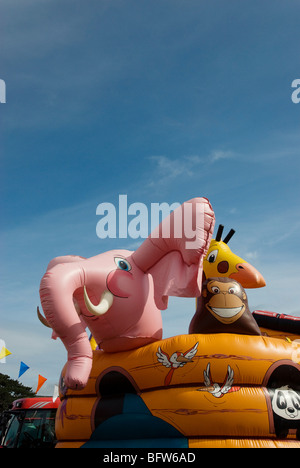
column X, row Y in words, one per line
column 103, row 306
column 42, row 319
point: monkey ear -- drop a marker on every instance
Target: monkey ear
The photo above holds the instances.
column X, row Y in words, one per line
column 204, row 293
column 244, row 296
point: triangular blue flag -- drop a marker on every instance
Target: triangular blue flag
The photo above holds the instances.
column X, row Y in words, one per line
column 23, row 368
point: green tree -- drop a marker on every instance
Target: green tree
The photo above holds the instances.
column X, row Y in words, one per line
column 11, row 390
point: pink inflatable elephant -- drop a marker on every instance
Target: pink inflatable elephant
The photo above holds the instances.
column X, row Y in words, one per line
column 118, row 294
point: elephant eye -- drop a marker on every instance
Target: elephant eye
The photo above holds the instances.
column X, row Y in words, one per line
column 122, row 264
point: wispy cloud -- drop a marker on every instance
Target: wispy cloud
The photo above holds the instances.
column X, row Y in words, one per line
column 168, row 169
column 215, row 156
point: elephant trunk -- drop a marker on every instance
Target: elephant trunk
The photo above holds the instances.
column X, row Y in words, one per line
column 188, row 230
column 56, row 293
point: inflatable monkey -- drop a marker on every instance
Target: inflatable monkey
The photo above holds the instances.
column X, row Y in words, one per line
column 223, row 308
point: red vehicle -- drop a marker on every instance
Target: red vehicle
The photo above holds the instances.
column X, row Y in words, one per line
column 29, row 423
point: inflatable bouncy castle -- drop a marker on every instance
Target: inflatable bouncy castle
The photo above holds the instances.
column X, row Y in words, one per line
column 233, row 380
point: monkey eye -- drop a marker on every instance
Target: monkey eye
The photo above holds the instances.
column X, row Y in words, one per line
column 212, row 257
column 233, row 290
column 215, row 289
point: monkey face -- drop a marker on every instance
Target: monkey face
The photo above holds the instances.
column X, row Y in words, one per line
column 223, row 308
column 225, row 301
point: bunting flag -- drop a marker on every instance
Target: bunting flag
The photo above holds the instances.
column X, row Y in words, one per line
column 4, row 352
column 23, row 368
column 41, row 381
column 93, row 342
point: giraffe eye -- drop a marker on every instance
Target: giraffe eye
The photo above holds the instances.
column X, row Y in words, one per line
column 212, row 256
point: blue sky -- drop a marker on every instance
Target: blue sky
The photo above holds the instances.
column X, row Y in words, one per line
column 162, row 100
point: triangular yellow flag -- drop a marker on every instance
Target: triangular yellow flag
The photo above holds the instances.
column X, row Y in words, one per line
column 4, row 352
column 93, row 343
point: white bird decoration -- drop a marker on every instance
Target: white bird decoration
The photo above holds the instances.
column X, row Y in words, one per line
column 176, row 360
column 214, row 388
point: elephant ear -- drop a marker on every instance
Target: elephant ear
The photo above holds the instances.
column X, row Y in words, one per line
column 173, row 254
column 173, row 277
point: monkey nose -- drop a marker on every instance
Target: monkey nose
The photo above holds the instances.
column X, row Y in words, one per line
column 248, row 276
